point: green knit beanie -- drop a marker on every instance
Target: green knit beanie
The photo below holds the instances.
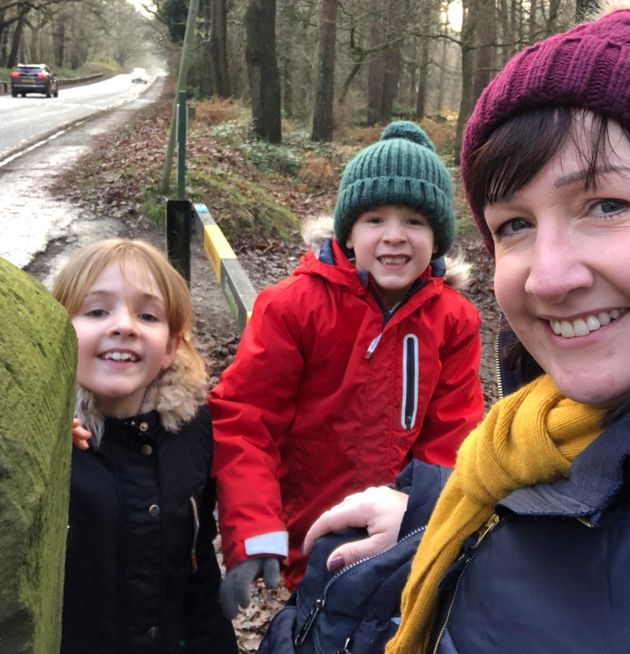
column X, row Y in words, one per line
column 401, row 168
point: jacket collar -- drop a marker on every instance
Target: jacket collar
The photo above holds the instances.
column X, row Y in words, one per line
column 596, row 475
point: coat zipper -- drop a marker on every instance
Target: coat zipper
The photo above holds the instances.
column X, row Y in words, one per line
column 497, row 367
column 483, row 532
column 320, row 602
column 193, row 550
column 409, row 407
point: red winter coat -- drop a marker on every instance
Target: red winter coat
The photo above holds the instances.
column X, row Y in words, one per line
column 327, row 396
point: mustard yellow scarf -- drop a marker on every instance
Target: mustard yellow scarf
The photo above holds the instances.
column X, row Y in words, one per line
column 529, row 437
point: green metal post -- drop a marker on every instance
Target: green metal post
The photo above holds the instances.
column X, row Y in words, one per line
column 182, row 124
column 182, row 78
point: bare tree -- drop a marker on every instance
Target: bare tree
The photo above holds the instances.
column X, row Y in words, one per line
column 323, row 113
column 262, row 67
column 218, row 48
column 385, row 65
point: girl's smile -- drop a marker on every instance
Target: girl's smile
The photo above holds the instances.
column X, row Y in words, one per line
column 124, row 339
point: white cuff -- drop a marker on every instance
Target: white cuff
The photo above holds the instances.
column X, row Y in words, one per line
column 273, row 542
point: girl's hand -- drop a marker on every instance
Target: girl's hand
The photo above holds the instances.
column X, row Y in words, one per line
column 80, row 435
column 380, row 510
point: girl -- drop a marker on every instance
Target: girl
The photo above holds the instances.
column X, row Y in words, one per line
column 141, row 572
column 528, row 547
column 361, row 360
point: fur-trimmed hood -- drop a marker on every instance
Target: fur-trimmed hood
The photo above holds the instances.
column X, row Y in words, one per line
column 175, row 394
column 317, row 230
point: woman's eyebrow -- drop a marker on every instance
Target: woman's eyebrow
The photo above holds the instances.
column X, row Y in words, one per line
column 579, row 175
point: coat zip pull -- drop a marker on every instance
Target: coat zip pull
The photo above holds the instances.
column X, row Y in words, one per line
column 310, row 621
column 346, row 647
column 372, row 346
column 486, row 529
column 193, row 550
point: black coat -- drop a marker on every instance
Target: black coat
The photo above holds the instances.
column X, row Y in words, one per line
column 141, row 571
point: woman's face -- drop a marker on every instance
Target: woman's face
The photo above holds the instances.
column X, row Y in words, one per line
column 562, row 272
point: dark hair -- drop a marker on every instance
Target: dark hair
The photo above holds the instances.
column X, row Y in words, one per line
column 519, row 148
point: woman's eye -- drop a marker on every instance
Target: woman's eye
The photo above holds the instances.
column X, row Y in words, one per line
column 512, row 227
column 609, row 207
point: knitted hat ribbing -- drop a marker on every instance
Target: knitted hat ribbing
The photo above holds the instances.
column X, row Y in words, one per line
column 587, row 67
column 401, row 168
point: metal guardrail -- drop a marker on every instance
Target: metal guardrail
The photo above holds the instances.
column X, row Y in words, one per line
column 5, row 87
column 181, row 217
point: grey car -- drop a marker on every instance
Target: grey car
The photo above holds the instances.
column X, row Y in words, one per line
column 33, row 78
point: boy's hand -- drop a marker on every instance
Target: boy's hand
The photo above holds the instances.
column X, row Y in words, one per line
column 379, row 509
column 80, row 435
column 235, row 588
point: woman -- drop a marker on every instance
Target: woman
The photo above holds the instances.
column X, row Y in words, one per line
column 528, row 546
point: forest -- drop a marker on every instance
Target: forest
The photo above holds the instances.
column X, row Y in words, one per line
column 324, row 63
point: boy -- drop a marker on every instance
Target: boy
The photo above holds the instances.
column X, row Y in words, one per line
column 356, row 363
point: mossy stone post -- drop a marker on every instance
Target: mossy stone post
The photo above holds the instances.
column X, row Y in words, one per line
column 37, row 375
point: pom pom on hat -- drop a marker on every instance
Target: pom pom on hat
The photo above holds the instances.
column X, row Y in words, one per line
column 401, row 168
column 403, row 129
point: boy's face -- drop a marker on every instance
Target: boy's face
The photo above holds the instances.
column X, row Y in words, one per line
column 394, row 244
column 124, row 338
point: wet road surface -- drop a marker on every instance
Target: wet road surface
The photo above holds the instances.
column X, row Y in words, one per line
column 30, row 216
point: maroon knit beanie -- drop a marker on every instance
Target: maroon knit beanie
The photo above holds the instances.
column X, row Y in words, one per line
column 587, row 67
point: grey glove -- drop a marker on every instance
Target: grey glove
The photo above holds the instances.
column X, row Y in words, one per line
column 235, row 588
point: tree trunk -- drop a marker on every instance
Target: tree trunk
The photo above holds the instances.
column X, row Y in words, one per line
column 376, row 74
column 485, row 49
column 262, row 67
column 15, row 43
column 59, row 37
column 323, row 112
column 218, row 48
column 385, row 65
column 202, row 69
column 421, row 97
column 469, row 26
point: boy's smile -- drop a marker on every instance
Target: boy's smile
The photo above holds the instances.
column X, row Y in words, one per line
column 395, row 245
column 124, row 339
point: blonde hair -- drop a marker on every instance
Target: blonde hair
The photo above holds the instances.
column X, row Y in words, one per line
column 79, row 275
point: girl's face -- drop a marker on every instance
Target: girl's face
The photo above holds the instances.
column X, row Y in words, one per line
column 124, row 339
column 395, row 245
column 562, row 272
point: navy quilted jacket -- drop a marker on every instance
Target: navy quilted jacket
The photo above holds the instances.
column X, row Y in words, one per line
column 551, row 573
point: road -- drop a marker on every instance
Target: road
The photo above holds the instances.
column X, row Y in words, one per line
column 29, row 119
column 60, row 130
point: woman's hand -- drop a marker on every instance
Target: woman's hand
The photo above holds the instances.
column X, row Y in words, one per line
column 80, row 435
column 379, row 509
